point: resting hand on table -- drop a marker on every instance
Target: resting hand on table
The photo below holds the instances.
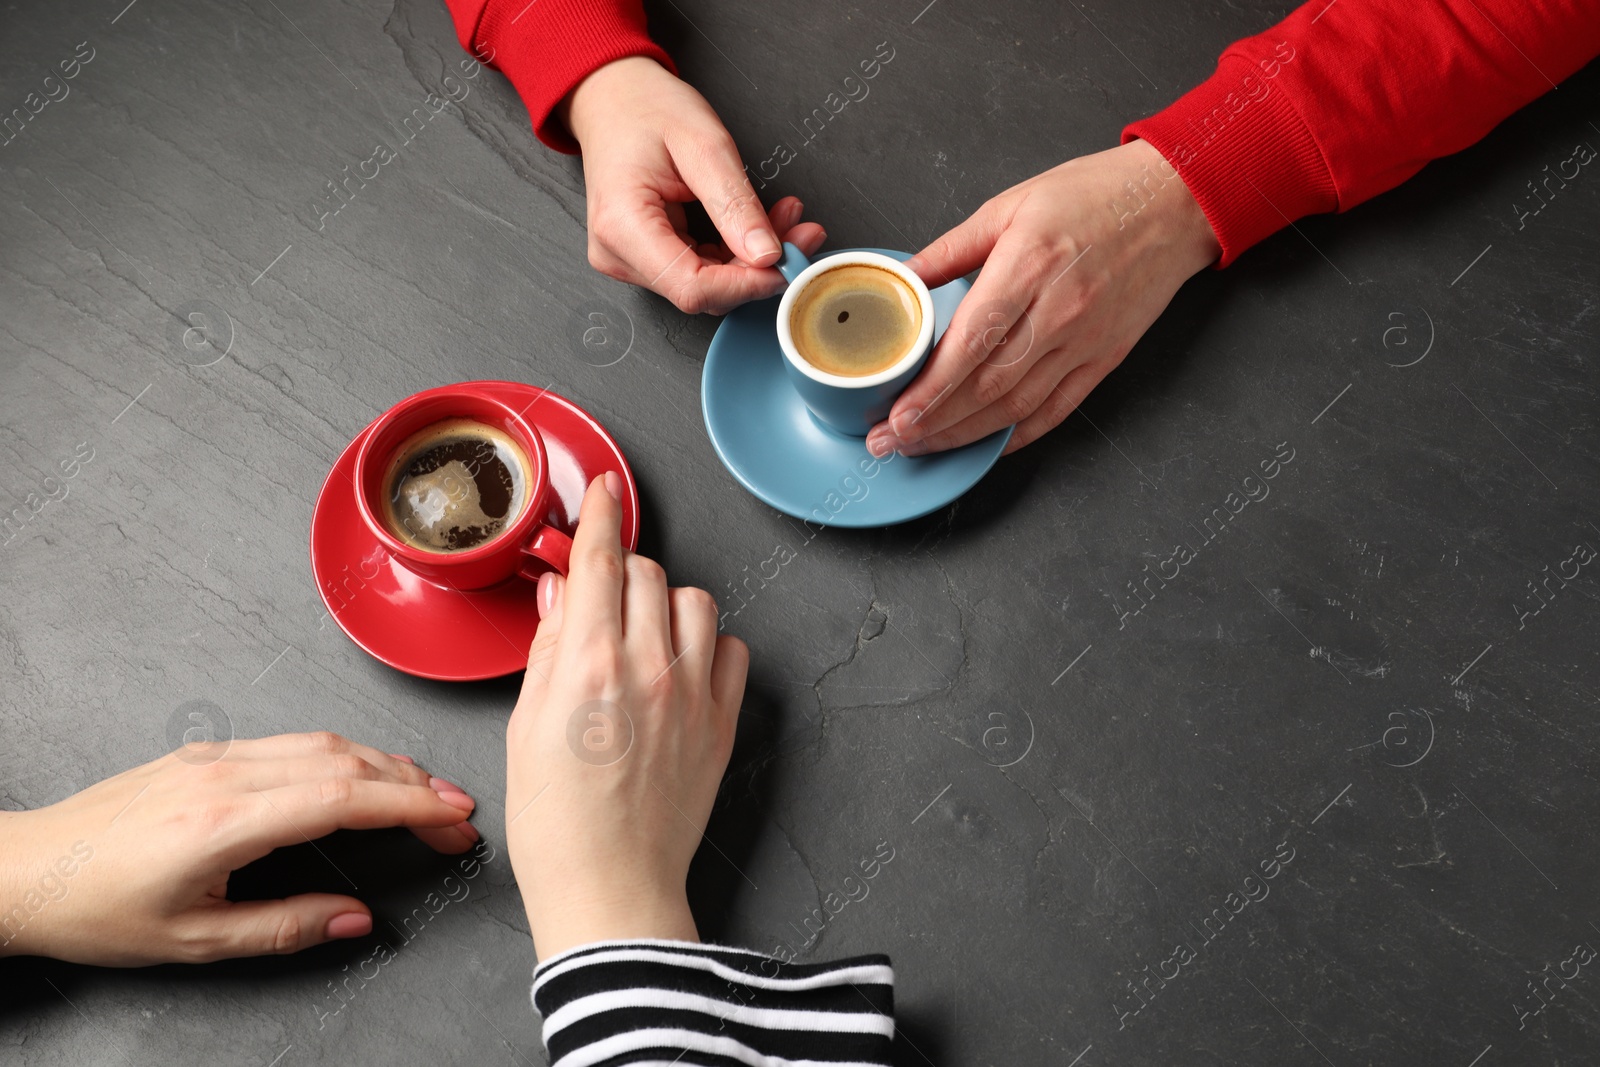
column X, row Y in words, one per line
column 134, row 870
column 651, row 144
column 1074, row 271
column 618, row 742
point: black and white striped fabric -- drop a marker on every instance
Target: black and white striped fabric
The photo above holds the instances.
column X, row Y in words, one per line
column 680, row 1003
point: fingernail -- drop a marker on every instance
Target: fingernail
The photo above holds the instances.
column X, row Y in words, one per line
column 350, row 924
column 402, row 759
column 912, row 448
column 880, row 444
column 440, row 785
column 914, row 264
column 469, row 831
column 905, row 424
column 457, row 800
column 614, row 485
column 547, row 593
column 760, row 243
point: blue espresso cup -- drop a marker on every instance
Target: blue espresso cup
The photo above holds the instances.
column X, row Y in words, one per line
column 850, row 405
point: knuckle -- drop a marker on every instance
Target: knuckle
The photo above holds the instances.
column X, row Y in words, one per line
column 974, row 342
column 717, row 141
column 1060, row 403
column 1051, row 410
column 1037, row 262
column 603, row 564
column 1079, row 292
column 289, row 934
column 194, row 944
column 694, row 599
column 349, row 765
column 609, row 266
column 410, row 773
column 663, row 674
column 602, row 668
column 601, row 256
column 735, row 649
column 1073, row 304
column 1016, row 405
column 712, row 148
column 335, row 792
column 605, row 220
column 940, row 250
column 516, row 729
column 212, row 818
column 325, row 743
column 990, row 388
column 743, row 205
column 645, row 569
column 1097, row 278
column 687, row 297
column 214, row 773
column 697, row 141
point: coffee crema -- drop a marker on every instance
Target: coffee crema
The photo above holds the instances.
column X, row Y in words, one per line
column 455, row 485
column 855, row 320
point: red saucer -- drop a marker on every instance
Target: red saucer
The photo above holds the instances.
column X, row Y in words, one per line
column 432, row 631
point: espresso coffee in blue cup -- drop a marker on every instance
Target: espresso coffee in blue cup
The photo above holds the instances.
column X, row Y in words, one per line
column 855, row 328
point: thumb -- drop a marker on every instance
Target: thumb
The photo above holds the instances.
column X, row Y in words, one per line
column 710, row 166
column 551, row 586
column 550, row 597
column 960, row 251
column 278, row 927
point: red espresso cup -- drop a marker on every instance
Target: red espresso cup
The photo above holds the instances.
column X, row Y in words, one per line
column 528, row 546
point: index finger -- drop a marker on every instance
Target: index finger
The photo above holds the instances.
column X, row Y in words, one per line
column 591, row 600
column 979, row 325
column 715, row 174
column 294, row 814
column 966, row 342
column 961, row 250
column 663, row 262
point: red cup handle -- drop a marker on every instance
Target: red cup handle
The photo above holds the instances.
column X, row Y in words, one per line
column 548, row 546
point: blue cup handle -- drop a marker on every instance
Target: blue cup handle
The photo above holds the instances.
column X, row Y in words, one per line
column 792, row 262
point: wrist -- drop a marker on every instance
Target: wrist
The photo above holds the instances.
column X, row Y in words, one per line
column 582, row 919
column 1182, row 221
column 15, row 883
column 589, row 104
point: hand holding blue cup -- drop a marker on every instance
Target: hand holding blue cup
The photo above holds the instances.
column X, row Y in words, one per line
column 855, row 329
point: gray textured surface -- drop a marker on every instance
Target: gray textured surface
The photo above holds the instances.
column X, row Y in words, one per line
column 1360, row 619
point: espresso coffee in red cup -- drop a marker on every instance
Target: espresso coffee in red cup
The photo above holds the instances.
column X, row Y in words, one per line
column 455, row 486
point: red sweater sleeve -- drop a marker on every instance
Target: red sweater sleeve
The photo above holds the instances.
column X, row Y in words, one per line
column 1344, row 100
column 546, row 47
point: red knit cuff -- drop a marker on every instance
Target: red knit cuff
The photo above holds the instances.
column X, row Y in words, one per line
column 1243, row 150
column 546, row 47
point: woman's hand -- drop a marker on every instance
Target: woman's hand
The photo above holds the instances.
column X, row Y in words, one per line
column 1077, row 263
column 135, row 870
column 650, row 145
column 618, row 743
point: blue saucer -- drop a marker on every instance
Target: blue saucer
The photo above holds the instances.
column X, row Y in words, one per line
column 766, row 437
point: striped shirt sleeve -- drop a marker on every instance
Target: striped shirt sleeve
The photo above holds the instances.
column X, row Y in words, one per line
column 677, row 1002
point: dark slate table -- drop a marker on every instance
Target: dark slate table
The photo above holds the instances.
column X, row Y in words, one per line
column 1365, row 683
